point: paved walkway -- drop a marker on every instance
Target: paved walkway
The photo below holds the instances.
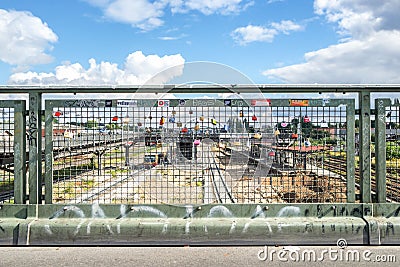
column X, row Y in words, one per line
column 200, row 256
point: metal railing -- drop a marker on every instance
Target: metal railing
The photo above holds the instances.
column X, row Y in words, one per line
column 245, row 155
column 158, row 151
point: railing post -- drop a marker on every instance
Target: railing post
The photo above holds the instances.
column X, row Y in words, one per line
column 35, row 147
column 365, row 145
column 48, row 176
column 380, row 148
column 19, row 152
column 350, row 146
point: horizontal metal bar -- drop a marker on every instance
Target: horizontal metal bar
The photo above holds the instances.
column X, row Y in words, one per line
column 201, row 88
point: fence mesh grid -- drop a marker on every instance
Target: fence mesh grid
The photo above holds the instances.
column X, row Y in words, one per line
column 198, row 153
column 6, row 155
column 392, row 154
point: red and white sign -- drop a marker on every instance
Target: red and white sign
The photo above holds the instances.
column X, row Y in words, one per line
column 163, row 103
column 261, row 102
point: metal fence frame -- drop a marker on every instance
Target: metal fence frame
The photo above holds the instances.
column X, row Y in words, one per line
column 367, row 222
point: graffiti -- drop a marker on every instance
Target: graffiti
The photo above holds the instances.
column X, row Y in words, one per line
column 289, row 211
column 238, row 103
column 259, row 212
column 220, row 210
column 83, row 103
column 381, row 108
column 273, row 227
column 48, row 164
column 32, row 129
column 17, row 160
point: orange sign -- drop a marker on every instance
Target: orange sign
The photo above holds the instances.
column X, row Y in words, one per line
column 298, row 103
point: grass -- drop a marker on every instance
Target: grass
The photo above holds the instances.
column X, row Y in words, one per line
column 70, row 190
column 72, row 170
column 114, row 173
column 6, row 185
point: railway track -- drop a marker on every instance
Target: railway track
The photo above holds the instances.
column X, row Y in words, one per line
column 220, row 188
column 75, row 153
column 6, row 195
column 338, row 165
column 222, row 192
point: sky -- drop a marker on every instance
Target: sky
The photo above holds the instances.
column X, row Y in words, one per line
column 129, row 42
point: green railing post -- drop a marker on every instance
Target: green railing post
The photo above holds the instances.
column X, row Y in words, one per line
column 350, row 158
column 365, row 146
column 48, row 153
column 35, row 147
column 19, row 152
column 380, row 148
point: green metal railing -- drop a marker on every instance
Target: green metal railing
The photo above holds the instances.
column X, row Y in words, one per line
column 285, row 193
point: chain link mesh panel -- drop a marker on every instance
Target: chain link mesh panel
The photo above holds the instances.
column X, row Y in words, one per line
column 195, row 151
column 6, row 155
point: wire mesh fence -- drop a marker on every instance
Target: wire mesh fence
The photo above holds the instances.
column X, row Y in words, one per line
column 392, row 133
column 6, row 155
column 195, row 151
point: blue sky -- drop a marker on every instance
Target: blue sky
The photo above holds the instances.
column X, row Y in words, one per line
column 128, row 42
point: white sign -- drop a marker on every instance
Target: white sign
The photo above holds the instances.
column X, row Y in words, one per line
column 126, row 103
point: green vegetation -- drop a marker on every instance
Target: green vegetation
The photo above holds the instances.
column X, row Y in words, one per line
column 69, row 190
column 6, row 185
column 392, row 150
column 91, row 124
column 114, row 173
column 73, row 170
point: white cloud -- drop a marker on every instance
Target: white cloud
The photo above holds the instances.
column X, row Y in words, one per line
column 138, row 13
column 172, row 38
column 360, row 17
column 374, row 60
column 168, row 38
column 208, row 7
column 369, row 54
column 251, row 33
column 24, row 39
column 274, row 1
column 137, row 70
column 147, row 15
column 286, row 26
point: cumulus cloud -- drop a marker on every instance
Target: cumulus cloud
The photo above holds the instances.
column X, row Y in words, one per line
column 360, row 17
column 147, row 15
column 367, row 53
column 251, row 33
column 136, row 70
column 208, row 7
column 24, row 39
column 372, row 60
column 139, row 13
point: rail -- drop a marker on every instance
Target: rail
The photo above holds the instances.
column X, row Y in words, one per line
column 181, row 169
